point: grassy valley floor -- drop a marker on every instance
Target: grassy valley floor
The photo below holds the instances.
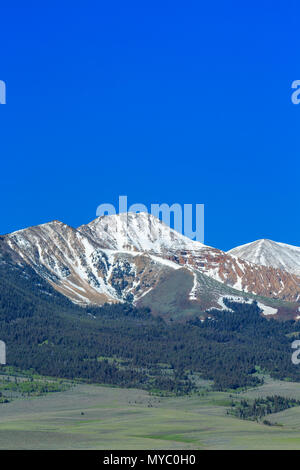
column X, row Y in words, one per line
column 99, row 417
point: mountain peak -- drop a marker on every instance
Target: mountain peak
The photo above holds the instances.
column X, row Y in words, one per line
column 141, row 232
column 270, row 253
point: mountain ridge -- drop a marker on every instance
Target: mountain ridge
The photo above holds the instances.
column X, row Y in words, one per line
column 124, row 257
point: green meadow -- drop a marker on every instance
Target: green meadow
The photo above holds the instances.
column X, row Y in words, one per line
column 99, row 417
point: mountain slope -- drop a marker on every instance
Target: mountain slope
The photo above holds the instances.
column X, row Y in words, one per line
column 79, row 268
column 145, row 233
column 125, row 257
column 270, row 253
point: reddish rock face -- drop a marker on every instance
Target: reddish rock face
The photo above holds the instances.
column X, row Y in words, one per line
column 242, row 275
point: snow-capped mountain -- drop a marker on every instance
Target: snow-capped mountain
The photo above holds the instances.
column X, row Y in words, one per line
column 137, row 232
column 78, row 267
column 145, row 233
column 270, row 253
column 132, row 256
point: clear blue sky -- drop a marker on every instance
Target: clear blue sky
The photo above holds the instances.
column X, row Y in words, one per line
column 184, row 102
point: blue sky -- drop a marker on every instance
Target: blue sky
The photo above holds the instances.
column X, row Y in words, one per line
column 186, row 102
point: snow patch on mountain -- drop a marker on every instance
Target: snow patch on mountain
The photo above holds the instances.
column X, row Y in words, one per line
column 192, row 295
column 165, row 262
column 266, row 309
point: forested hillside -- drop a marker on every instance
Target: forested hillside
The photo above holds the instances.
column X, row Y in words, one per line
column 120, row 344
